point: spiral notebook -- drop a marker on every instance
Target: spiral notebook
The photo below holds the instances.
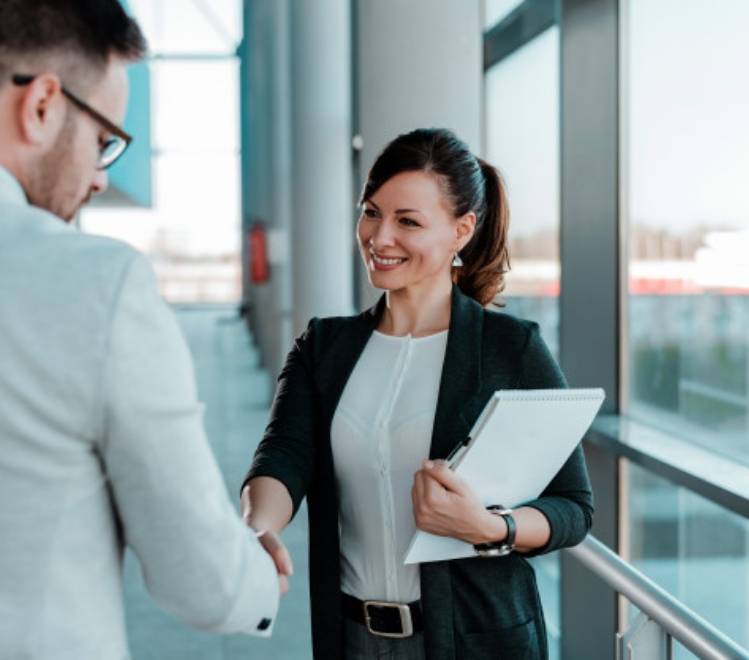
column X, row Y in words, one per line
column 519, row 442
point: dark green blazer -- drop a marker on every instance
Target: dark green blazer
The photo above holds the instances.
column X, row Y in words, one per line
column 473, row 608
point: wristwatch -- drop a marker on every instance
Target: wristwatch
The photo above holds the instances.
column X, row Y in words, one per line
column 499, row 548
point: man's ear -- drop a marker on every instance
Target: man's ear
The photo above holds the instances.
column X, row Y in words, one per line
column 465, row 226
column 41, row 110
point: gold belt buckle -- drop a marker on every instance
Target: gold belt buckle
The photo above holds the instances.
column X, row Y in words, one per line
column 407, row 627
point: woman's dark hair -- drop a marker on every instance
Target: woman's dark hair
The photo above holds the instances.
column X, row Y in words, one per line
column 90, row 30
column 471, row 184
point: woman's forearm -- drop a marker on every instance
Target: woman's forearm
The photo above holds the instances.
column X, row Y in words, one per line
column 266, row 504
column 532, row 532
column 533, row 529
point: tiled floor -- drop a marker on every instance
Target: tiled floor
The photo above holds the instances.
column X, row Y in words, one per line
column 234, row 391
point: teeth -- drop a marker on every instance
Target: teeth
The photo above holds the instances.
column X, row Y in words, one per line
column 386, row 262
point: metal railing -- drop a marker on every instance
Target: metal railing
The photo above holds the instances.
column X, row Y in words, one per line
column 662, row 618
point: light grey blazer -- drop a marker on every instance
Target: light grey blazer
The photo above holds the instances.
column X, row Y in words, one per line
column 102, row 445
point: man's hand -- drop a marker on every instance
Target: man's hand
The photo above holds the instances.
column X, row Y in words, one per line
column 444, row 504
column 270, row 541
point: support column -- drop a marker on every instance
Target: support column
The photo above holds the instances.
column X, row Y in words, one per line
column 322, row 238
column 266, row 169
column 419, row 66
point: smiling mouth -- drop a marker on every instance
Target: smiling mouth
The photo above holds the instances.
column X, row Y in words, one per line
column 387, row 261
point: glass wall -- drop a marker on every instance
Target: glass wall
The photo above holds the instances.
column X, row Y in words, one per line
column 684, row 154
column 686, row 151
column 522, row 141
column 193, row 230
column 685, row 160
column 496, row 10
column 696, row 550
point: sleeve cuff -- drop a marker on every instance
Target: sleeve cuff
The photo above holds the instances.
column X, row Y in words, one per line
column 295, row 487
column 549, row 512
column 256, row 608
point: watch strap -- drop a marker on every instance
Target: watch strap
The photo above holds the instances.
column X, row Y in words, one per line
column 499, row 548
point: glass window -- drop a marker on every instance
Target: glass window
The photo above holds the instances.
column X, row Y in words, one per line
column 193, row 230
column 686, row 156
column 190, row 26
column 522, row 140
column 496, row 10
column 694, row 549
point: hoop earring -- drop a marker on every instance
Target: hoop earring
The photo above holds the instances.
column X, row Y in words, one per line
column 457, row 261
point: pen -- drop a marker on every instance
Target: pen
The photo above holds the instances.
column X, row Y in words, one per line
column 461, row 445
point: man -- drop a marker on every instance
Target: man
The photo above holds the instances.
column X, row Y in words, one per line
column 101, row 439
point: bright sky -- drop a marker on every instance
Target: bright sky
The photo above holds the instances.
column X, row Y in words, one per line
column 687, row 103
column 689, row 112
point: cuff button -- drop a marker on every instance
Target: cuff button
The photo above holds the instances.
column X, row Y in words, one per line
column 264, row 624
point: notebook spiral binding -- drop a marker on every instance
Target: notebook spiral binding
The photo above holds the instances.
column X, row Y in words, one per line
column 549, row 395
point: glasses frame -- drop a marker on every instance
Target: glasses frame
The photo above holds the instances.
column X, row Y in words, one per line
column 22, row 79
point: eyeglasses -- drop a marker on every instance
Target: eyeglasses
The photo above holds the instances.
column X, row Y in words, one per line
column 114, row 146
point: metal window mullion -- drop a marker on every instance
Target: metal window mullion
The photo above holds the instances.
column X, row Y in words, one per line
column 523, row 24
column 590, row 281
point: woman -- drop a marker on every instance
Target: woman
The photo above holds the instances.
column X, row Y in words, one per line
column 364, row 401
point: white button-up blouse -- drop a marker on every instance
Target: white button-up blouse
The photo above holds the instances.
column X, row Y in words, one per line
column 380, row 434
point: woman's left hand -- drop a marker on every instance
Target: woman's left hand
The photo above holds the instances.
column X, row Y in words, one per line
column 446, row 505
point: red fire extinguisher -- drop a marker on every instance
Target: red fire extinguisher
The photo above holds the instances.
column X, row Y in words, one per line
column 258, row 254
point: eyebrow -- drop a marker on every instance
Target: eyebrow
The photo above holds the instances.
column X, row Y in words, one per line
column 369, row 201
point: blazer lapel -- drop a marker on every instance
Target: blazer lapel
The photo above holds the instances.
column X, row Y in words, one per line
column 458, row 402
column 340, row 358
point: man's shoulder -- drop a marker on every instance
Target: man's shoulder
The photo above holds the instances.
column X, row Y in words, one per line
column 96, row 252
column 38, row 230
column 93, row 257
column 67, row 263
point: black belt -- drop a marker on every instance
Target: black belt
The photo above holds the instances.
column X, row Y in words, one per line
column 383, row 618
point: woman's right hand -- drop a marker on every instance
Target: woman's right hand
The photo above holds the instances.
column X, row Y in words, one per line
column 270, row 541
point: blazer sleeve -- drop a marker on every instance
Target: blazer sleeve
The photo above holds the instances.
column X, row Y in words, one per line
column 567, row 502
column 199, row 560
column 287, row 451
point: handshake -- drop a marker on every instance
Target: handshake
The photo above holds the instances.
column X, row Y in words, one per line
column 270, row 541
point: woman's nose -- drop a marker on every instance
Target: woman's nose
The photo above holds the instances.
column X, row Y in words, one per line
column 383, row 235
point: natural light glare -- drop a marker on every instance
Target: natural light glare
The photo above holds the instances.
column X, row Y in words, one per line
column 192, row 233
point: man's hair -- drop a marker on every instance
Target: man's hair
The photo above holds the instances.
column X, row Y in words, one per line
column 80, row 35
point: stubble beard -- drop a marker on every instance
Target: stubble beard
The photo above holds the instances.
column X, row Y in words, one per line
column 54, row 186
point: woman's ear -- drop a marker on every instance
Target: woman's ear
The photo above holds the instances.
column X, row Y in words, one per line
column 465, row 226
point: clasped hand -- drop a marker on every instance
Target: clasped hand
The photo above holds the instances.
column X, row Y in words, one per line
column 271, row 543
column 444, row 504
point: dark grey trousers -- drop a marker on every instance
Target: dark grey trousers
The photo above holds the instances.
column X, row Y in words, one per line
column 360, row 644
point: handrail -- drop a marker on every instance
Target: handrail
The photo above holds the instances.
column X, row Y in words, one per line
column 684, row 625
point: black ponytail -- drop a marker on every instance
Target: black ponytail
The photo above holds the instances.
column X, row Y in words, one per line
column 486, row 258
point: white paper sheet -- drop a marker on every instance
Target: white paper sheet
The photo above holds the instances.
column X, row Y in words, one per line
column 518, row 444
